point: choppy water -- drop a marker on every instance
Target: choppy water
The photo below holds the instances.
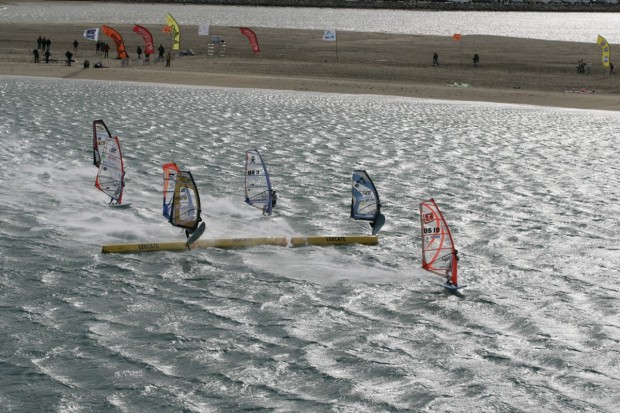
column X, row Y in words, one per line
column 577, row 27
column 531, row 194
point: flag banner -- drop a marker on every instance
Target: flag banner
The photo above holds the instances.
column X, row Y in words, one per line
column 118, row 41
column 329, row 35
column 605, row 58
column 251, row 37
column 203, row 29
column 176, row 32
column 148, row 38
column 91, row 34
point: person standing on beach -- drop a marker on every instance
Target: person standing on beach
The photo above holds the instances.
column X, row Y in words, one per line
column 611, row 69
column 476, row 60
column 75, row 45
column 97, row 48
column 35, row 52
column 69, row 56
column 48, row 43
column 139, row 52
column 39, row 41
column 47, row 56
column 161, row 51
column 168, row 60
column 435, row 59
column 106, row 50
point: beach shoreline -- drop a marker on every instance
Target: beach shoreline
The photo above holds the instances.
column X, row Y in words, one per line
column 512, row 70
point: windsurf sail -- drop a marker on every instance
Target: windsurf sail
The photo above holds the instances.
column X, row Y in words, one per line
column 365, row 203
column 111, row 175
column 438, row 253
column 181, row 200
column 101, row 134
column 257, row 183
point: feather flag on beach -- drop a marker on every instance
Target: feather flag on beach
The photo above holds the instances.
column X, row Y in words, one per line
column 606, row 58
column 329, row 35
column 251, row 37
column 203, row 29
column 92, row 34
column 176, row 32
column 148, row 38
column 118, row 41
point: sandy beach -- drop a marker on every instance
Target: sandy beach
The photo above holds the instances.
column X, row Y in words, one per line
column 511, row 70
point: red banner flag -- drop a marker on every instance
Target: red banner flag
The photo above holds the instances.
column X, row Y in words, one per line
column 148, row 38
column 252, row 37
column 118, row 41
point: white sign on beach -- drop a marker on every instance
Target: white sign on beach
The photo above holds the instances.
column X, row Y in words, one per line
column 329, row 35
column 203, row 29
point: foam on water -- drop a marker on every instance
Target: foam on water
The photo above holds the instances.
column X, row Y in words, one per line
column 530, row 193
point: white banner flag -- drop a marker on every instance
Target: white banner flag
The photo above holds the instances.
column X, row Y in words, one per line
column 91, row 34
column 203, row 29
column 329, row 35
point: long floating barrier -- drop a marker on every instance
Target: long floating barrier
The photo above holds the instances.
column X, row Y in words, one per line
column 331, row 240
column 240, row 243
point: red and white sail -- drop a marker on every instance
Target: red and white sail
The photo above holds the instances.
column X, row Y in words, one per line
column 438, row 252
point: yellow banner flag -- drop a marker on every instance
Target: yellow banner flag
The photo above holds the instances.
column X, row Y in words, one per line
column 176, row 32
column 606, row 58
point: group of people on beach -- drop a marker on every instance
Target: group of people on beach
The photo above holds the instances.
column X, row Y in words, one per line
column 583, row 67
column 44, row 46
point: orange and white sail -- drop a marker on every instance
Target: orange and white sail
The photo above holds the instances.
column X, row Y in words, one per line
column 438, row 252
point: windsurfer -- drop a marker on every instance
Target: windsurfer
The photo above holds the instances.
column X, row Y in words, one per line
column 455, row 256
column 274, row 198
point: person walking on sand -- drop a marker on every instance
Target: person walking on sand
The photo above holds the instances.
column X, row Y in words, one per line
column 168, row 59
column 35, row 52
column 435, row 59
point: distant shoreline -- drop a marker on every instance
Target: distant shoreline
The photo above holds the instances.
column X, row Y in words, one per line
column 438, row 5
column 512, row 70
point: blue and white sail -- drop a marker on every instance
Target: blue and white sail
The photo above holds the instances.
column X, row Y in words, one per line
column 365, row 204
column 258, row 191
